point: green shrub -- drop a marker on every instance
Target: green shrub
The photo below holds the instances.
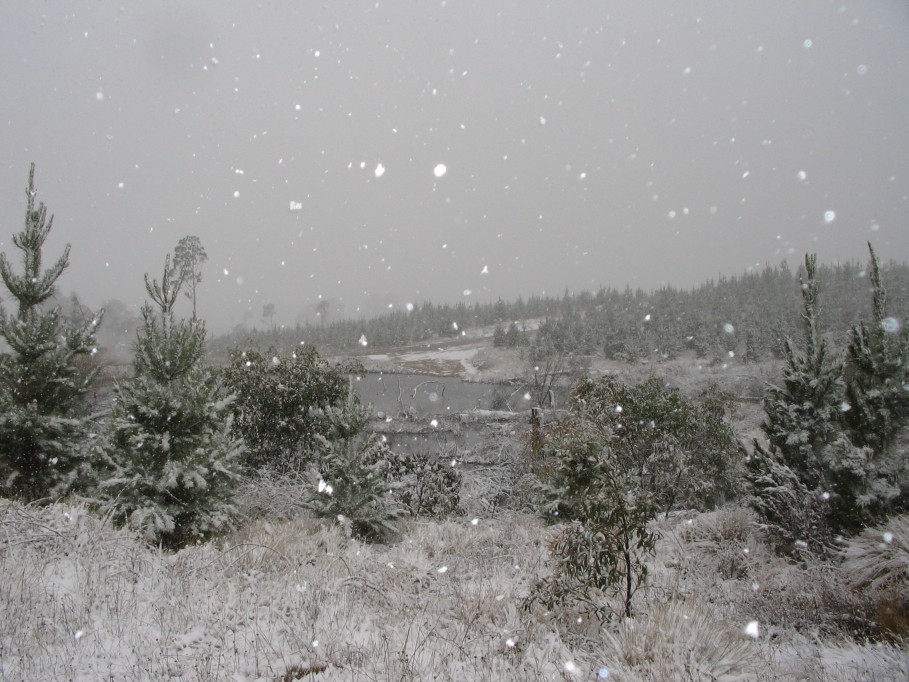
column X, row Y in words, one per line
column 602, row 551
column 425, row 485
column 278, row 404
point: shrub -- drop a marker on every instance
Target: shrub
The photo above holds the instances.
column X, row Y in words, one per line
column 425, row 485
column 685, row 452
column 278, row 404
column 607, row 507
column 876, row 564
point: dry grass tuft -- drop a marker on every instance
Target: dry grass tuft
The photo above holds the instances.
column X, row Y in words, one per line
column 876, row 564
column 685, row 641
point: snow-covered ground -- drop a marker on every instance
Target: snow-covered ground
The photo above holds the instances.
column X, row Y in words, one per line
column 295, row 599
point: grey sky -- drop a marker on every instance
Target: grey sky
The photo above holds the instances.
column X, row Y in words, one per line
column 585, row 143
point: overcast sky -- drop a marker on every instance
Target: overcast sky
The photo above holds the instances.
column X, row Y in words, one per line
column 452, row 151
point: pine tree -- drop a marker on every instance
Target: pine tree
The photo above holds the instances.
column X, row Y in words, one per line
column 355, row 486
column 803, row 414
column 41, row 382
column 819, row 477
column 172, row 462
column 877, row 373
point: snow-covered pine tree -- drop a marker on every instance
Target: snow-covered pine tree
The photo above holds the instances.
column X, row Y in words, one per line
column 355, row 487
column 173, row 464
column 814, row 481
column 790, row 480
column 803, row 414
column 877, row 370
column 42, row 384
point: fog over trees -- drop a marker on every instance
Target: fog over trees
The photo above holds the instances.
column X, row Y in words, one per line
column 482, row 340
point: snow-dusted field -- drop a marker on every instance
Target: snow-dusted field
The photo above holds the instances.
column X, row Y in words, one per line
column 294, row 599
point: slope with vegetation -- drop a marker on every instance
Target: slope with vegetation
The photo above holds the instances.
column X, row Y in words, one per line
column 244, row 523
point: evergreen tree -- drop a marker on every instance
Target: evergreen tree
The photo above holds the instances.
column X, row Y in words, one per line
column 803, row 414
column 41, row 383
column 498, row 337
column 355, row 486
column 813, row 482
column 172, row 462
column 877, row 373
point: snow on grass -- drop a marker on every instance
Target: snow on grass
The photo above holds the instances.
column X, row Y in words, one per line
column 83, row 601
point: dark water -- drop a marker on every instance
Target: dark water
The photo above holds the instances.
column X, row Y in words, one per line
column 422, row 395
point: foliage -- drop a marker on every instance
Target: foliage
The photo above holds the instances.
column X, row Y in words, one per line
column 43, row 377
column 278, row 403
column 607, row 507
column 355, row 487
column 172, row 463
column 189, row 256
column 877, row 371
column 825, row 470
column 425, row 486
column 745, row 314
column 684, row 452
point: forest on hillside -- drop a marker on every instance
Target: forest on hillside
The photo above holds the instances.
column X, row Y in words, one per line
column 747, row 315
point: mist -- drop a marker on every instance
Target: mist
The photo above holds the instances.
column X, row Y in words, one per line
column 392, row 153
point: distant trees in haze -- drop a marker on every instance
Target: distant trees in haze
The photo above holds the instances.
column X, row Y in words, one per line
column 189, row 257
column 734, row 319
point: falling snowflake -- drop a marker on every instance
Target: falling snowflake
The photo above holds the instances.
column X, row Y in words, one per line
column 379, row 171
column 753, row 630
column 440, row 170
column 891, row 325
column 363, row 342
column 829, row 216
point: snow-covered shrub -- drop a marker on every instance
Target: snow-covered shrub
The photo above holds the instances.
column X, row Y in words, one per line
column 278, row 403
column 42, row 438
column 172, row 463
column 426, row 485
column 685, row 451
column 603, row 548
